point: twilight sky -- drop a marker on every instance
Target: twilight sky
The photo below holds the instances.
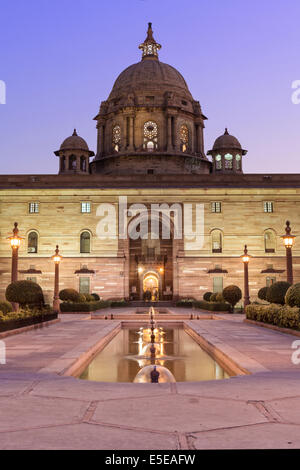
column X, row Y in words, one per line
column 60, row 58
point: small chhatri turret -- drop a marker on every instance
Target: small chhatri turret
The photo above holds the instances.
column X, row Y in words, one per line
column 227, row 154
column 150, row 47
column 74, row 155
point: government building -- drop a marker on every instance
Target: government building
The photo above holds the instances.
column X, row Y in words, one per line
column 150, row 150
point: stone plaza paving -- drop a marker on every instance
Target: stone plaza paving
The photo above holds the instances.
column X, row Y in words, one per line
column 40, row 409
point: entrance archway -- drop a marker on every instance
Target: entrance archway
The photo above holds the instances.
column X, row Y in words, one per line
column 151, row 286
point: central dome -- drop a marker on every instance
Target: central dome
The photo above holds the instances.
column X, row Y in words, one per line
column 149, row 75
column 150, row 122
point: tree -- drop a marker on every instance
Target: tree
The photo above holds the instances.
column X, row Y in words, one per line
column 232, row 294
column 25, row 293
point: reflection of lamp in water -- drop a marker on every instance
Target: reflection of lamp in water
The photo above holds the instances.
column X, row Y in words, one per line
column 144, row 375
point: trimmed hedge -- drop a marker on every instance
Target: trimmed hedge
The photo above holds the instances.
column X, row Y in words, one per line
column 292, row 296
column 15, row 320
column 186, row 303
column 119, row 303
column 283, row 316
column 212, row 306
column 84, row 306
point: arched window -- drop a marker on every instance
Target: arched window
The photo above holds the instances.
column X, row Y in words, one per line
column 72, row 162
column 218, row 162
column 216, row 241
column 270, row 241
column 238, row 160
column 116, row 138
column 228, row 161
column 32, row 242
column 150, row 136
column 85, row 242
column 184, row 138
column 83, row 163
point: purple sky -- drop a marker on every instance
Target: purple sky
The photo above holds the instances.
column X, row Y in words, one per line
column 60, row 58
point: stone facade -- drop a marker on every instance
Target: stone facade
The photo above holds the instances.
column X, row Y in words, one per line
column 189, row 273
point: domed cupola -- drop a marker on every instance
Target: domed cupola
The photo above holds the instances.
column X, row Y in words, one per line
column 227, row 154
column 150, row 122
column 74, row 155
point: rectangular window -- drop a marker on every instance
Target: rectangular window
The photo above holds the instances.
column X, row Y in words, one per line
column 84, row 285
column 268, row 206
column 270, row 281
column 216, row 207
column 33, row 208
column 85, row 207
column 217, row 284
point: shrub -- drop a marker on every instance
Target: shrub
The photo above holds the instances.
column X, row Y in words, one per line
column 276, row 292
column 219, row 297
column 25, row 293
column 96, row 296
column 119, row 303
column 292, row 296
column 81, row 298
column 186, row 303
column 89, row 298
column 262, row 293
column 70, row 295
column 5, row 307
column 232, row 294
column 213, row 297
column 206, row 296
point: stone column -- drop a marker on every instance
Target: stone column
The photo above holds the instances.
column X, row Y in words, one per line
column 176, row 140
column 131, row 133
column 169, row 134
column 200, row 147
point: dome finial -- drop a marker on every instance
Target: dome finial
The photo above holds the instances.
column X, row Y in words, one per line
column 75, row 133
column 226, row 131
column 150, row 46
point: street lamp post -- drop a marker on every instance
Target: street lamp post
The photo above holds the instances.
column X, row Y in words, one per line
column 246, row 258
column 288, row 241
column 57, row 259
column 15, row 242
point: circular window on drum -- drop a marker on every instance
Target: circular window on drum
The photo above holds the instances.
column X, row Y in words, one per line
column 150, row 135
